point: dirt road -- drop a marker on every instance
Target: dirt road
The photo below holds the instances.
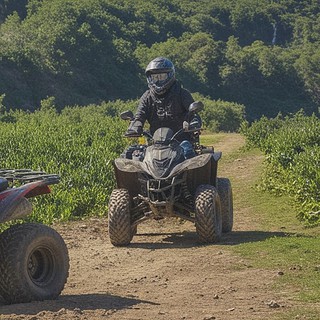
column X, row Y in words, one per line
column 163, row 274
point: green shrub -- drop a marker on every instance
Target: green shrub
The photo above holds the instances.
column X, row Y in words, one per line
column 257, row 132
column 292, row 149
column 221, row 115
column 79, row 144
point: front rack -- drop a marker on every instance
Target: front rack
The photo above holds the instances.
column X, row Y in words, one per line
column 28, row 175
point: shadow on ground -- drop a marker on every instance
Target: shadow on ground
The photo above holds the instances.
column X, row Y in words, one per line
column 71, row 302
column 190, row 239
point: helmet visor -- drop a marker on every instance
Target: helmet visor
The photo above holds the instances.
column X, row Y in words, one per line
column 158, row 77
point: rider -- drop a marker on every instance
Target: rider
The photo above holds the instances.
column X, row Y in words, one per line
column 164, row 104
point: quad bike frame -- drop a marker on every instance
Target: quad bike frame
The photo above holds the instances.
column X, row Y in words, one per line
column 196, row 194
column 163, row 197
column 157, row 181
column 34, row 261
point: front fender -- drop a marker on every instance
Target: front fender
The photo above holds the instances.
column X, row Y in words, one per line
column 190, row 164
column 202, row 169
column 132, row 166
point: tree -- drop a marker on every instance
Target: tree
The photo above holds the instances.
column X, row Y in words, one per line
column 7, row 7
column 308, row 68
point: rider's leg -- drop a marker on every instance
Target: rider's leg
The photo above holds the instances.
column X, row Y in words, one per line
column 187, row 147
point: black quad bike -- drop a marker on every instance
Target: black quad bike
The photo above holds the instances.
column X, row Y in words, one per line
column 154, row 180
column 34, row 261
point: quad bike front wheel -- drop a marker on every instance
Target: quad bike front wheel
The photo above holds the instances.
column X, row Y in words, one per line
column 119, row 220
column 34, row 263
column 208, row 218
column 225, row 193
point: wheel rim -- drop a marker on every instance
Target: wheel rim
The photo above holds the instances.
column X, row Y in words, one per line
column 41, row 266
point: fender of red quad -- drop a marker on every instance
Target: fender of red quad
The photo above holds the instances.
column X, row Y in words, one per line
column 13, row 202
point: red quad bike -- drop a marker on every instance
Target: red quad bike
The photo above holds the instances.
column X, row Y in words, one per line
column 34, row 261
column 156, row 181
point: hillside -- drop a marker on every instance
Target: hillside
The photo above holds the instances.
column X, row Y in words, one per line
column 262, row 54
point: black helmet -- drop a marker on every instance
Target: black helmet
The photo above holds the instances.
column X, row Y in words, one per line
column 160, row 75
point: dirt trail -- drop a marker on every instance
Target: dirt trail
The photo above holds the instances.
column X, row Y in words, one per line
column 163, row 274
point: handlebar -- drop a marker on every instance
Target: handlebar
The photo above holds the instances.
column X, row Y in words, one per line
column 148, row 135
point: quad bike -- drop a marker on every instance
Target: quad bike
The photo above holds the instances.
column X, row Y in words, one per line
column 155, row 180
column 34, row 261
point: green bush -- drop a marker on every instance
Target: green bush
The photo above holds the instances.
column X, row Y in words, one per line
column 292, row 149
column 258, row 131
column 79, row 144
column 221, row 115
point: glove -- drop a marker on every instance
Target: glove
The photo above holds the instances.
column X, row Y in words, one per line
column 133, row 133
column 134, row 130
column 195, row 123
column 185, row 125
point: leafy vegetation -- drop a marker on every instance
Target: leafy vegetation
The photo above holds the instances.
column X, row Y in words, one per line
column 79, row 144
column 292, row 148
column 221, row 115
column 260, row 54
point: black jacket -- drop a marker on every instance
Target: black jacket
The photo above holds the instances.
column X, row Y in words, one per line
column 169, row 110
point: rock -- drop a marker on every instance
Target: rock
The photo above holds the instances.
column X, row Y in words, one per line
column 62, row 311
column 209, row 317
column 77, row 310
column 273, row 304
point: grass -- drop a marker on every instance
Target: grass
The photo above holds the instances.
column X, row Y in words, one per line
column 300, row 313
column 209, row 139
column 290, row 248
column 295, row 257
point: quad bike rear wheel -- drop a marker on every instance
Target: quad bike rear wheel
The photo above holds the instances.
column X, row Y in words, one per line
column 34, row 263
column 208, row 218
column 119, row 220
column 225, row 193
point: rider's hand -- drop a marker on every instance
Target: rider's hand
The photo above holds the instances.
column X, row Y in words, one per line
column 133, row 132
column 195, row 123
column 185, row 125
